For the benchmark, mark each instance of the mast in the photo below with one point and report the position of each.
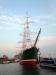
(26, 35)
(37, 37)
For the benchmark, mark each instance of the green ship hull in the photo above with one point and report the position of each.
(30, 56)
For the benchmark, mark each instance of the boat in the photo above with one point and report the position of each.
(29, 56)
(48, 62)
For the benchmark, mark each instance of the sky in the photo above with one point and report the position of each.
(12, 15)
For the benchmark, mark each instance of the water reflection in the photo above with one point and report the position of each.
(30, 70)
(17, 69)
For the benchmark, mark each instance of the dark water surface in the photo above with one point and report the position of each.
(17, 69)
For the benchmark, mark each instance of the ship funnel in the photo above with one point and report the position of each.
(37, 37)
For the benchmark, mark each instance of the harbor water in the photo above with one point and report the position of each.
(17, 69)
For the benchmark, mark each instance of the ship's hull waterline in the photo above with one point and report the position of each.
(32, 62)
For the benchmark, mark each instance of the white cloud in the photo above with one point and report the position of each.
(47, 19)
(8, 46)
(9, 20)
(46, 41)
(47, 46)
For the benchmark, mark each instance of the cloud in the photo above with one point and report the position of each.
(47, 19)
(47, 46)
(8, 46)
(9, 20)
(47, 41)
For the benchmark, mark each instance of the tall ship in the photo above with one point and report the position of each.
(29, 56)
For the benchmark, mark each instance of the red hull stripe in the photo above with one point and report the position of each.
(29, 62)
